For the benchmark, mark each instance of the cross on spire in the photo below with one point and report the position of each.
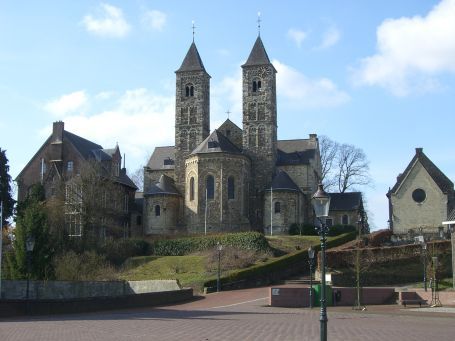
(193, 27)
(228, 112)
(259, 24)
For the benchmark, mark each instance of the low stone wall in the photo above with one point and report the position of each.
(11, 308)
(17, 290)
(298, 297)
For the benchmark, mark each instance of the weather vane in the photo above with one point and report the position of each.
(193, 27)
(259, 24)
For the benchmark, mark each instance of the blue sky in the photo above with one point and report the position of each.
(376, 74)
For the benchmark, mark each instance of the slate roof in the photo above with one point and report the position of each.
(348, 201)
(160, 154)
(442, 181)
(125, 179)
(164, 186)
(258, 55)
(295, 152)
(283, 182)
(216, 142)
(101, 155)
(85, 147)
(192, 61)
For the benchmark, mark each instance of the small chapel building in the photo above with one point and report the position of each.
(230, 179)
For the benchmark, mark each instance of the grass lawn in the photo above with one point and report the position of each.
(290, 244)
(189, 270)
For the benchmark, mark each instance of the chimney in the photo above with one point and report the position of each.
(313, 137)
(57, 131)
(419, 151)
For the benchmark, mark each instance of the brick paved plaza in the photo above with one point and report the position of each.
(236, 315)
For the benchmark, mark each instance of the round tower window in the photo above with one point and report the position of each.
(419, 195)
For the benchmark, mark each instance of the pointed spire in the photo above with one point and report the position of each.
(258, 55)
(192, 61)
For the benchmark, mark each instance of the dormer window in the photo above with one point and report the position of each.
(69, 166)
(212, 144)
(189, 90)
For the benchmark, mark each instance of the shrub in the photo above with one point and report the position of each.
(336, 230)
(88, 266)
(276, 269)
(302, 229)
(234, 258)
(117, 251)
(178, 247)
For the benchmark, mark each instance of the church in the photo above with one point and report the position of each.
(231, 179)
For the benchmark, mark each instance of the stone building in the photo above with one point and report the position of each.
(226, 180)
(61, 162)
(421, 199)
(347, 209)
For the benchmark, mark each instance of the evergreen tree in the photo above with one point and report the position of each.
(5, 188)
(32, 221)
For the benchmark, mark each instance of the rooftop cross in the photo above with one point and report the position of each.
(193, 27)
(259, 24)
(228, 112)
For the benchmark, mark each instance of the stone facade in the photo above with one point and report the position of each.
(221, 180)
(422, 197)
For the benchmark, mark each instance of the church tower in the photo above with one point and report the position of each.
(192, 110)
(259, 125)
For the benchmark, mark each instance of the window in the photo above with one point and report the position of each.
(192, 188)
(210, 187)
(345, 219)
(419, 195)
(277, 207)
(261, 112)
(192, 140)
(261, 136)
(139, 220)
(125, 203)
(256, 86)
(157, 210)
(184, 139)
(193, 115)
(252, 139)
(329, 222)
(231, 188)
(228, 133)
(69, 166)
(189, 90)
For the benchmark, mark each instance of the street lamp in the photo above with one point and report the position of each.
(321, 206)
(310, 262)
(29, 246)
(423, 251)
(219, 248)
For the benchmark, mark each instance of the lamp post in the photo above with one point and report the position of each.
(321, 205)
(358, 264)
(219, 248)
(29, 246)
(310, 262)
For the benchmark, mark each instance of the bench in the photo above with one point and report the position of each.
(410, 297)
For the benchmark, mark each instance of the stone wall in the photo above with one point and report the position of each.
(408, 214)
(223, 214)
(68, 289)
(291, 211)
(169, 211)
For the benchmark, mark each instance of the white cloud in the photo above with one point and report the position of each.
(301, 91)
(67, 103)
(298, 36)
(331, 36)
(227, 95)
(411, 52)
(154, 20)
(108, 23)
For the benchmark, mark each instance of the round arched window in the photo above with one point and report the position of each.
(419, 195)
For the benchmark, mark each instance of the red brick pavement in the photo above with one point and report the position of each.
(234, 315)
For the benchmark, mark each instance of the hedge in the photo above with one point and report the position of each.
(182, 246)
(277, 268)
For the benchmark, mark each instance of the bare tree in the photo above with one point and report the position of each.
(138, 178)
(353, 168)
(328, 149)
